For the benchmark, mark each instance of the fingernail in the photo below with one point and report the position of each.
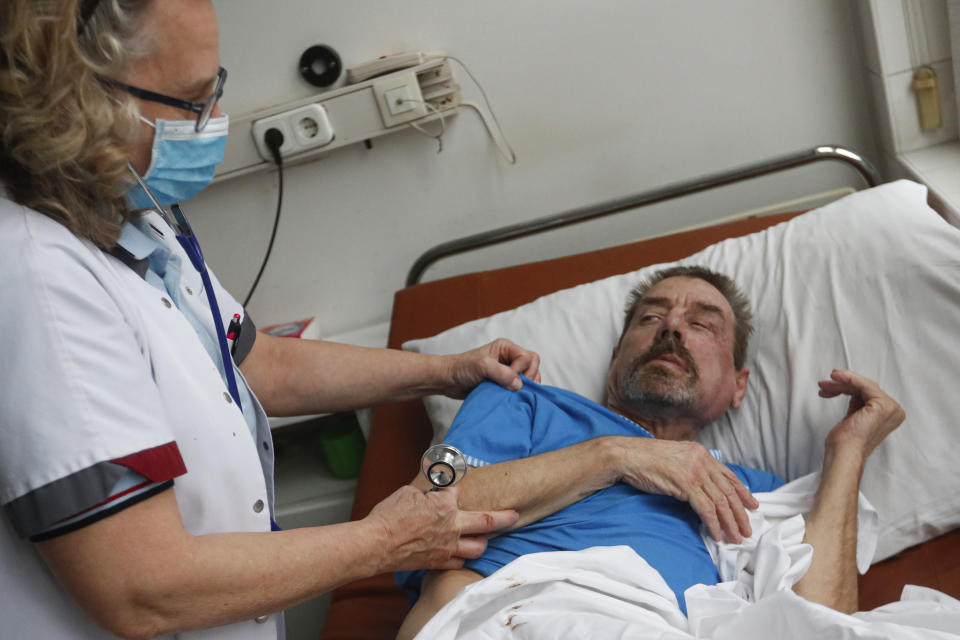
(516, 385)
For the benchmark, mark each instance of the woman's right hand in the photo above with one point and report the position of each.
(428, 530)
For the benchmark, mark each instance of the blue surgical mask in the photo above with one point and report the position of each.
(182, 161)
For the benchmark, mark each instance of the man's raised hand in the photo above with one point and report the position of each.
(871, 414)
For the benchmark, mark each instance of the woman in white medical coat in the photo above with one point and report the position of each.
(135, 465)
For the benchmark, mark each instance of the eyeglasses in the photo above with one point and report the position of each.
(203, 109)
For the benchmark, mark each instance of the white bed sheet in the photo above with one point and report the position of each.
(870, 283)
(611, 592)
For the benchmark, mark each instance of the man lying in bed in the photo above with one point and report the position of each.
(581, 474)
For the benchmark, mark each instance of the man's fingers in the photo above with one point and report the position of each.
(743, 520)
(742, 492)
(832, 388)
(476, 522)
(736, 485)
(707, 511)
(738, 505)
(844, 381)
(721, 508)
(728, 521)
(829, 389)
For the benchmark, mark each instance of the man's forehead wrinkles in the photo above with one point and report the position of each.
(655, 301)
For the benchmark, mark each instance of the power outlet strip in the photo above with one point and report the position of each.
(353, 114)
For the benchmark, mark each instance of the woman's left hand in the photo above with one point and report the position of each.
(501, 361)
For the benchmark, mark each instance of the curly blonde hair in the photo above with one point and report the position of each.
(65, 138)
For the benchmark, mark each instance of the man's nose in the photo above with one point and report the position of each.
(668, 332)
(671, 327)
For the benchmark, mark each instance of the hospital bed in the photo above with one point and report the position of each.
(870, 282)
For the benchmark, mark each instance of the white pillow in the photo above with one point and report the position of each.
(870, 283)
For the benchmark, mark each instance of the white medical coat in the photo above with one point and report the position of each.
(97, 365)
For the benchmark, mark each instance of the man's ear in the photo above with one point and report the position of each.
(740, 389)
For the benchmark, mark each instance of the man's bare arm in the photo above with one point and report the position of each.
(832, 523)
(540, 485)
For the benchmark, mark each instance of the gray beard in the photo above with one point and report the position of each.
(652, 388)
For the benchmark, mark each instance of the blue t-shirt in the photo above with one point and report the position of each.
(496, 425)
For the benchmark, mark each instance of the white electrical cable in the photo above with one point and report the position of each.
(491, 122)
(502, 143)
(443, 128)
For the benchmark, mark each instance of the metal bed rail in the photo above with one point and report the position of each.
(660, 194)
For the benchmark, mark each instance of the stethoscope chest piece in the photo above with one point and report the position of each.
(443, 465)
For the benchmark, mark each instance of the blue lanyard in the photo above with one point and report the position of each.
(188, 241)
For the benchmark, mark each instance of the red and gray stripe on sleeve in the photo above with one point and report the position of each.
(94, 493)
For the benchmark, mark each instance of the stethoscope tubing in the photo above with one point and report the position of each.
(191, 246)
(188, 240)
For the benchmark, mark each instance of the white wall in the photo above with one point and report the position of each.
(600, 99)
(891, 60)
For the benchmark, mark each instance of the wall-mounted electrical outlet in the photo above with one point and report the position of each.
(304, 128)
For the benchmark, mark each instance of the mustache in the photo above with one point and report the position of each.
(670, 346)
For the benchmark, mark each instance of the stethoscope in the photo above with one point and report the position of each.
(443, 465)
(191, 246)
(188, 241)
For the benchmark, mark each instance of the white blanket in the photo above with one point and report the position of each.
(611, 592)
